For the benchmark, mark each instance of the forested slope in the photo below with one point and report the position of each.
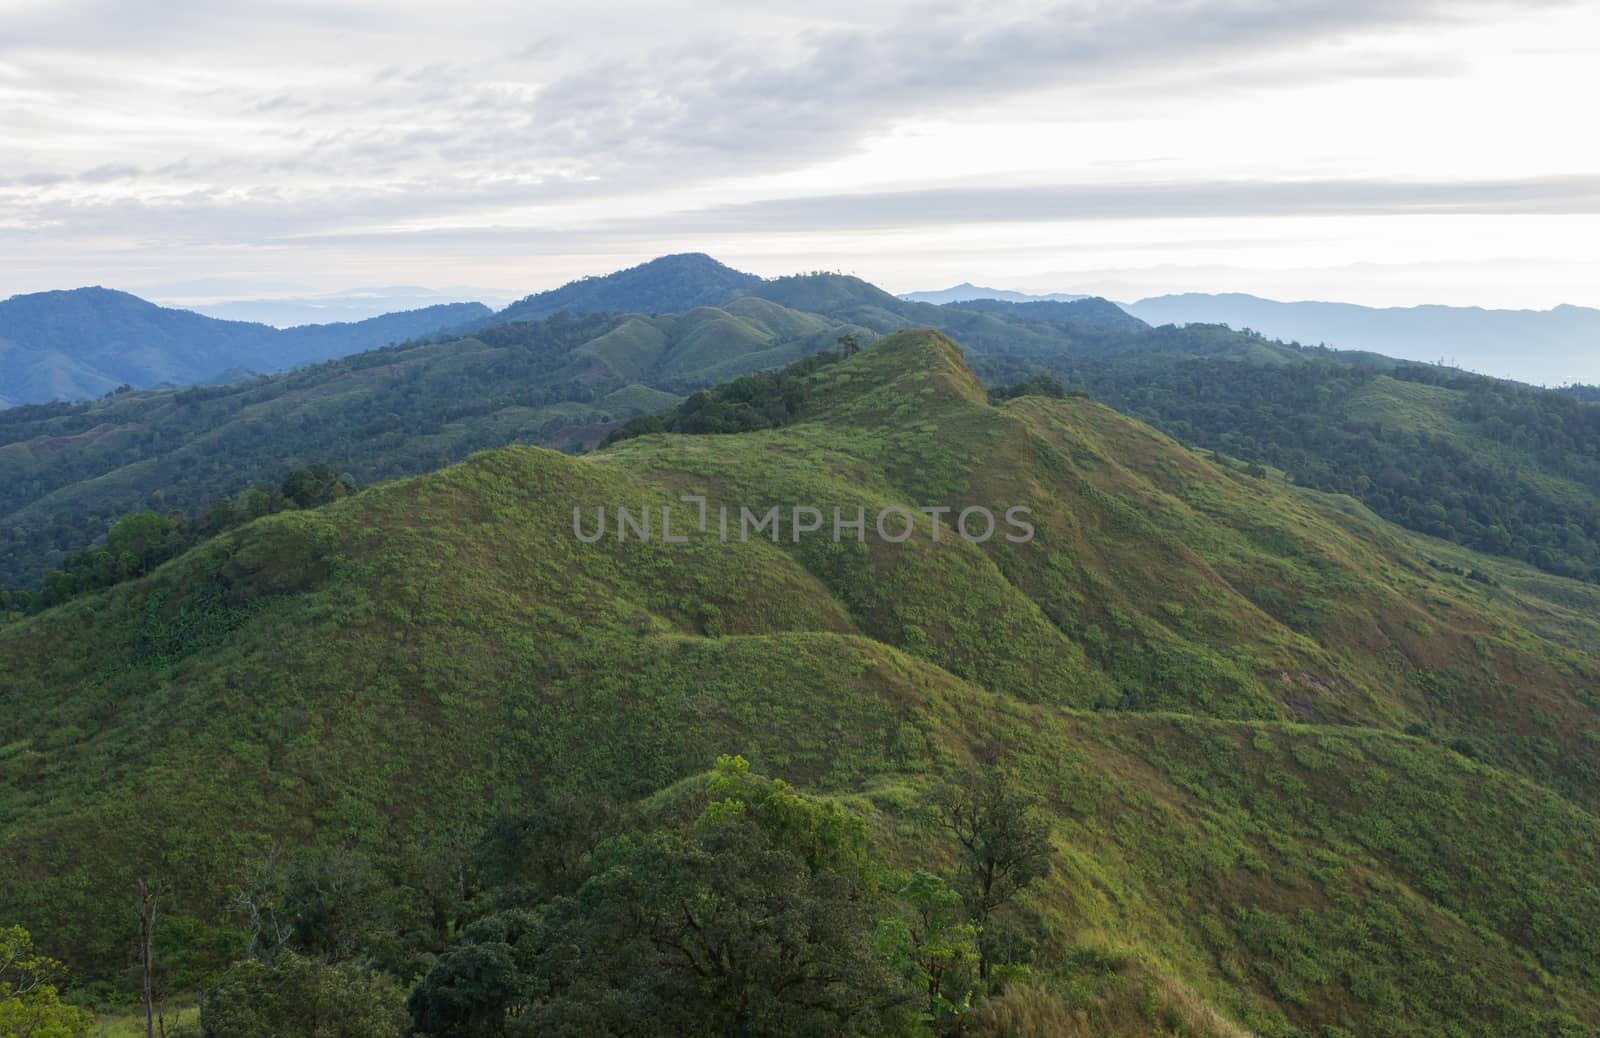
(67, 471)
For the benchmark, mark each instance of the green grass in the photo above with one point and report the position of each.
(130, 1023)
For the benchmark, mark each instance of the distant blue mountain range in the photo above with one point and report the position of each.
(1545, 347)
(967, 290)
(88, 341)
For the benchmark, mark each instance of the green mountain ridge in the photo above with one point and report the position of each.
(66, 471)
(1316, 780)
(1494, 466)
(666, 284)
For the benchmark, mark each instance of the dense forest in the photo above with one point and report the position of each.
(1496, 466)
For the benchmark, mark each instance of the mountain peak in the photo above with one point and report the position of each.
(919, 365)
(97, 295)
(825, 292)
(687, 259)
(676, 283)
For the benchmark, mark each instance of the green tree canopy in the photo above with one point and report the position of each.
(303, 997)
(30, 1006)
(755, 917)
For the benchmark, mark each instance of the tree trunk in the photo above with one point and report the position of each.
(147, 926)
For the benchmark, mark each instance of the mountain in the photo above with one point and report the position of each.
(357, 304)
(68, 470)
(967, 291)
(1499, 467)
(683, 282)
(89, 341)
(1549, 347)
(665, 285)
(990, 332)
(1086, 310)
(1296, 774)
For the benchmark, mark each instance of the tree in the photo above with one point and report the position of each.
(935, 945)
(303, 997)
(753, 916)
(314, 485)
(149, 906)
(29, 1004)
(545, 852)
(331, 903)
(146, 536)
(1005, 845)
(1038, 385)
(222, 514)
(487, 976)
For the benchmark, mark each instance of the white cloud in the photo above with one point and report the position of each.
(331, 145)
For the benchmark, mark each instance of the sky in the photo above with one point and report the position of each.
(1388, 152)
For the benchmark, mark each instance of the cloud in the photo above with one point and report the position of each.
(292, 127)
(812, 95)
(630, 111)
(1555, 195)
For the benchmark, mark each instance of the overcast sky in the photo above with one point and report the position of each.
(1375, 151)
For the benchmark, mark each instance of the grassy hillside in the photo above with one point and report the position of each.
(68, 470)
(1295, 771)
(1496, 466)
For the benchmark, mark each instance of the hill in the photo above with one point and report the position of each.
(68, 470)
(1497, 466)
(1291, 764)
(665, 285)
(90, 341)
(990, 332)
(1491, 465)
(1081, 310)
(1549, 347)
